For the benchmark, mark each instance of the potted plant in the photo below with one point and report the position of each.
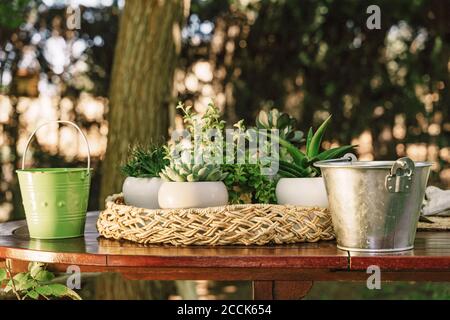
(245, 181)
(193, 177)
(140, 188)
(192, 186)
(300, 182)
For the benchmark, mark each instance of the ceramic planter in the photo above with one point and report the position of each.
(141, 192)
(306, 192)
(175, 195)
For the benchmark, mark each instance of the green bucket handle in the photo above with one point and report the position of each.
(59, 121)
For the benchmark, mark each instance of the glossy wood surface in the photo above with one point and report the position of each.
(308, 261)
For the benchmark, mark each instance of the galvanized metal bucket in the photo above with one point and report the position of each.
(375, 205)
(55, 199)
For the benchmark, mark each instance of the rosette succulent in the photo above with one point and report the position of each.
(188, 172)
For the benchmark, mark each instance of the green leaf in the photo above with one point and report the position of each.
(286, 174)
(59, 290)
(9, 286)
(33, 294)
(308, 140)
(263, 119)
(44, 290)
(297, 136)
(20, 276)
(3, 275)
(35, 267)
(293, 168)
(298, 156)
(314, 145)
(72, 294)
(44, 276)
(174, 176)
(283, 121)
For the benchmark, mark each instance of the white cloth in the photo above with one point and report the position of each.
(437, 202)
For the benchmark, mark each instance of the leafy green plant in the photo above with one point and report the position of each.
(246, 184)
(34, 284)
(302, 163)
(286, 124)
(145, 162)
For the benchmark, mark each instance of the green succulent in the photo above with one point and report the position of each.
(302, 163)
(188, 172)
(274, 119)
(145, 162)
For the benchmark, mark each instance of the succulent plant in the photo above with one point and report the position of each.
(184, 155)
(145, 162)
(188, 172)
(274, 119)
(302, 163)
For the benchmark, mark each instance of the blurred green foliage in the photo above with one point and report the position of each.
(12, 13)
(313, 58)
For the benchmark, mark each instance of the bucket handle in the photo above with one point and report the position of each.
(348, 157)
(59, 121)
(400, 177)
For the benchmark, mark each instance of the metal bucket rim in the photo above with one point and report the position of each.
(366, 164)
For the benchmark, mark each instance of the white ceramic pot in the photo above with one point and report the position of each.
(202, 194)
(306, 192)
(141, 192)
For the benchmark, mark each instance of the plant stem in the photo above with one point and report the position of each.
(13, 286)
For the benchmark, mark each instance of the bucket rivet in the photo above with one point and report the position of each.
(390, 187)
(61, 204)
(45, 204)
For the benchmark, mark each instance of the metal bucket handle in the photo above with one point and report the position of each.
(400, 177)
(59, 121)
(348, 157)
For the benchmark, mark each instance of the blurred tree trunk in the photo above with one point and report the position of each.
(148, 43)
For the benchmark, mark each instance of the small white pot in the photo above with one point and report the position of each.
(141, 192)
(202, 194)
(306, 192)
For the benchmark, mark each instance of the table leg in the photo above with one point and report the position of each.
(280, 290)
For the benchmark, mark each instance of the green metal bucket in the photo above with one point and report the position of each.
(55, 199)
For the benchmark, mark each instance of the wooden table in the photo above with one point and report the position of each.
(277, 272)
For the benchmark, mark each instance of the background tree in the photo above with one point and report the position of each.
(149, 41)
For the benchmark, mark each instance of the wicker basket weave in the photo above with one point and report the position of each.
(252, 224)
